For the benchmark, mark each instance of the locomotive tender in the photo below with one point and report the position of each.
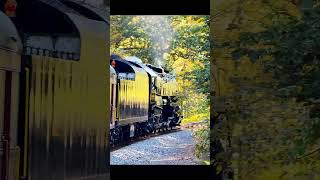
(143, 99)
(53, 84)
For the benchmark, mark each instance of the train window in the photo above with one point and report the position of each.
(126, 75)
(46, 25)
(63, 47)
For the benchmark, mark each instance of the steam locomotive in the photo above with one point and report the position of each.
(53, 84)
(143, 99)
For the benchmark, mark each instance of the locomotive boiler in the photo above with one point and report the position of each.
(143, 99)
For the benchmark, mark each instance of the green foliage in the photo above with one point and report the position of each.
(267, 71)
(200, 77)
(192, 43)
(131, 36)
(202, 147)
(297, 39)
(192, 34)
(294, 65)
(129, 39)
(196, 118)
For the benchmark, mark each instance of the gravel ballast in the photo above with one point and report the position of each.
(174, 148)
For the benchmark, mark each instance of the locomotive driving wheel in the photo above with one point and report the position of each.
(116, 136)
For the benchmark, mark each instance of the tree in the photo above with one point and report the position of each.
(129, 39)
(266, 73)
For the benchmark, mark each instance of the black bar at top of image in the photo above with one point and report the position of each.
(160, 7)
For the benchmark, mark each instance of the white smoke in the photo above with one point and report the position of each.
(161, 33)
(134, 59)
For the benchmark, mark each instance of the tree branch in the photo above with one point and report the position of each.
(308, 154)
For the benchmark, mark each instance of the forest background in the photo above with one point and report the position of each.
(179, 44)
(266, 89)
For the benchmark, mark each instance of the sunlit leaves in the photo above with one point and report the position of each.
(129, 39)
(267, 67)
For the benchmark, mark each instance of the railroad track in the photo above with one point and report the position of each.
(175, 129)
(148, 136)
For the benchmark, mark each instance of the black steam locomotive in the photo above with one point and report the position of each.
(53, 84)
(143, 99)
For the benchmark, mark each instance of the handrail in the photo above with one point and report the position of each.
(26, 130)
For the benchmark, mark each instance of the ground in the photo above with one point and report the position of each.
(175, 148)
